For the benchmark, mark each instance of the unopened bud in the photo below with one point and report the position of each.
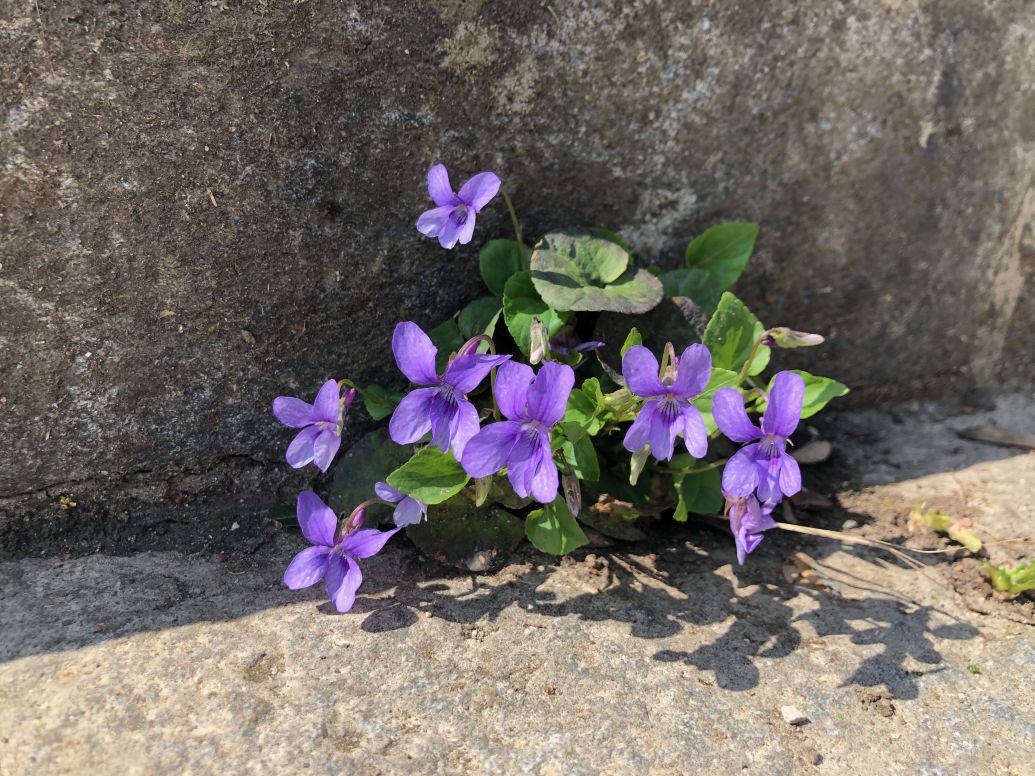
(355, 520)
(783, 337)
(539, 342)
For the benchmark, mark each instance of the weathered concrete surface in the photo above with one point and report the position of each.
(658, 658)
(204, 205)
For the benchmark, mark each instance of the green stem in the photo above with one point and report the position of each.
(696, 470)
(513, 220)
(742, 375)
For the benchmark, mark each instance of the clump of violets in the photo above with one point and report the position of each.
(763, 465)
(668, 412)
(532, 404)
(442, 407)
(332, 558)
(452, 219)
(551, 441)
(321, 423)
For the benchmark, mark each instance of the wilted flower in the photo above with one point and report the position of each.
(330, 560)
(532, 404)
(452, 221)
(766, 464)
(321, 423)
(748, 519)
(442, 409)
(668, 412)
(408, 511)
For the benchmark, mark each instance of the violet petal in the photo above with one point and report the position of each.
(306, 568)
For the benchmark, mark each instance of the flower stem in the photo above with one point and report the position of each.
(492, 377)
(742, 375)
(513, 220)
(696, 470)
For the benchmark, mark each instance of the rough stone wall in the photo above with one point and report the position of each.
(203, 205)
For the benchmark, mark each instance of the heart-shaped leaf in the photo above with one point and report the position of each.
(578, 271)
(553, 529)
(722, 252)
(731, 336)
(430, 476)
(499, 260)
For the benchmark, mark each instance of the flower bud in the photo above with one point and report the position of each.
(539, 342)
(355, 520)
(783, 337)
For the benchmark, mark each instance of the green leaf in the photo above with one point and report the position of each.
(448, 339)
(611, 236)
(582, 458)
(499, 260)
(553, 529)
(430, 476)
(580, 272)
(732, 333)
(380, 402)
(694, 284)
(1011, 580)
(699, 493)
(722, 251)
(632, 339)
(457, 533)
(479, 317)
(521, 304)
(585, 405)
(371, 459)
(818, 392)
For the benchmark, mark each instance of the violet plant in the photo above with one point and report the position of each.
(484, 450)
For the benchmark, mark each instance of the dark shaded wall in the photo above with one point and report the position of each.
(203, 205)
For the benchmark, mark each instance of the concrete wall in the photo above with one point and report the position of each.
(203, 205)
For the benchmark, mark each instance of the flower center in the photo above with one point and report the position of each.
(460, 214)
(446, 391)
(670, 406)
(771, 446)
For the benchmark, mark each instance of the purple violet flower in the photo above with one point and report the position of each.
(408, 511)
(764, 464)
(668, 412)
(330, 560)
(748, 519)
(452, 221)
(441, 408)
(321, 423)
(532, 405)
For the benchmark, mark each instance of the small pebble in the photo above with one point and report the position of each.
(848, 525)
(792, 716)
